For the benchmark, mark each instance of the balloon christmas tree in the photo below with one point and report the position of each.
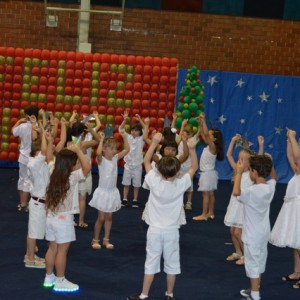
(191, 99)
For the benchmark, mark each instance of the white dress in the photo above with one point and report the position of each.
(286, 230)
(107, 197)
(235, 212)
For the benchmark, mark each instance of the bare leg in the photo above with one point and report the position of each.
(171, 279)
(107, 225)
(296, 273)
(82, 208)
(125, 192)
(205, 207)
(98, 225)
(148, 279)
(135, 193)
(237, 240)
(255, 284)
(189, 196)
(211, 205)
(24, 196)
(61, 259)
(50, 257)
(31, 243)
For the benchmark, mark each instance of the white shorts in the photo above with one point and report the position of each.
(208, 181)
(255, 260)
(85, 185)
(37, 220)
(24, 183)
(60, 228)
(134, 174)
(166, 242)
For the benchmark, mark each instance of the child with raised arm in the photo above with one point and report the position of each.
(285, 232)
(256, 227)
(133, 167)
(71, 166)
(234, 214)
(23, 129)
(106, 198)
(208, 180)
(163, 215)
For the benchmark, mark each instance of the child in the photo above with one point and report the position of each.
(163, 216)
(234, 214)
(23, 129)
(256, 227)
(86, 136)
(106, 198)
(133, 160)
(39, 176)
(60, 230)
(208, 180)
(285, 232)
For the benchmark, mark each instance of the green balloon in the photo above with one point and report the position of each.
(193, 107)
(193, 122)
(178, 122)
(187, 99)
(186, 114)
(180, 107)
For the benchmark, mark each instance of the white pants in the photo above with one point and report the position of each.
(134, 174)
(24, 183)
(162, 242)
(37, 220)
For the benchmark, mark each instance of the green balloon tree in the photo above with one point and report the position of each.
(191, 100)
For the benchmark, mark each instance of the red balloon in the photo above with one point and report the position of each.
(119, 111)
(52, 80)
(103, 93)
(104, 67)
(153, 113)
(131, 60)
(145, 104)
(162, 105)
(51, 98)
(45, 54)
(104, 76)
(3, 155)
(50, 107)
(85, 99)
(120, 94)
(36, 53)
(114, 59)
(103, 84)
(153, 120)
(146, 87)
(110, 110)
(147, 79)
(86, 82)
(77, 82)
(137, 95)
(19, 52)
(18, 61)
(71, 55)
(69, 73)
(97, 57)
(137, 86)
(157, 61)
(102, 110)
(129, 86)
(15, 112)
(79, 56)
(113, 76)
(146, 95)
(87, 65)
(70, 64)
(41, 105)
(173, 62)
(59, 107)
(123, 59)
(165, 61)
(128, 95)
(13, 156)
(28, 52)
(161, 113)
(52, 72)
(79, 65)
(154, 104)
(112, 85)
(85, 109)
(137, 78)
(62, 55)
(136, 103)
(118, 120)
(88, 57)
(54, 54)
(138, 70)
(149, 60)
(105, 58)
(140, 60)
(145, 113)
(10, 51)
(24, 104)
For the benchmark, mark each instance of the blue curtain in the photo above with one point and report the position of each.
(252, 105)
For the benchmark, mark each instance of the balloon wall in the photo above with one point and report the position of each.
(61, 82)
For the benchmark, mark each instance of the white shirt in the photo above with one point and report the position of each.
(207, 160)
(165, 200)
(39, 175)
(23, 131)
(257, 199)
(135, 155)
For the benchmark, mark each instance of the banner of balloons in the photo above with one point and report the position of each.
(61, 82)
(191, 99)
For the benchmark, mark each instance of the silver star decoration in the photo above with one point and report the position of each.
(212, 80)
(271, 146)
(222, 119)
(240, 82)
(278, 130)
(260, 112)
(264, 97)
(276, 85)
(279, 100)
(242, 121)
(212, 100)
(249, 98)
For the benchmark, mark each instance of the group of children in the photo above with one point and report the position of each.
(58, 179)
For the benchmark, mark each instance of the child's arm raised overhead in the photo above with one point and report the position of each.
(192, 150)
(73, 118)
(84, 162)
(206, 136)
(184, 156)
(261, 141)
(126, 149)
(125, 116)
(88, 144)
(294, 150)
(18, 123)
(237, 179)
(147, 159)
(273, 174)
(50, 146)
(230, 150)
(63, 135)
(100, 147)
(97, 121)
(146, 131)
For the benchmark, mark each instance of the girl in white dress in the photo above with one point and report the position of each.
(286, 231)
(208, 180)
(234, 215)
(106, 198)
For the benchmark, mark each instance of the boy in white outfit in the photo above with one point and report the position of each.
(23, 129)
(163, 214)
(256, 227)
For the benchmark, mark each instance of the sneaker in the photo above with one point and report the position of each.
(124, 202)
(188, 205)
(65, 285)
(136, 297)
(35, 258)
(246, 294)
(135, 204)
(37, 264)
(49, 280)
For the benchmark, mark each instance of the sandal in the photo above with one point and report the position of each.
(200, 218)
(95, 244)
(233, 256)
(107, 244)
(83, 225)
(241, 261)
(288, 277)
(296, 285)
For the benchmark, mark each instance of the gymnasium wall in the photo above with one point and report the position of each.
(211, 42)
